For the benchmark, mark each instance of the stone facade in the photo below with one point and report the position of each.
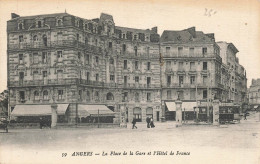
(61, 58)
(254, 93)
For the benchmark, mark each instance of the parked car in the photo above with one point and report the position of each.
(4, 124)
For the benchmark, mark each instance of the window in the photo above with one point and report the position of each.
(59, 54)
(97, 77)
(168, 65)
(45, 95)
(87, 58)
(80, 94)
(124, 47)
(96, 95)
(20, 58)
(135, 49)
(125, 96)
(39, 24)
(180, 65)
(21, 76)
(148, 66)
(191, 52)
(110, 45)
(79, 55)
(168, 49)
(22, 95)
(192, 66)
(136, 97)
(204, 51)
(169, 79)
(110, 96)
(169, 94)
(123, 36)
(87, 95)
(125, 80)
(205, 65)
(60, 94)
(44, 57)
(180, 95)
(180, 80)
(137, 113)
(148, 81)
(148, 96)
(59, 22)
(36, 95)
(180, 51)
(60, 74)
(205, 94)
(35, 58)
(192, 94)
(136, 79)
(205, 80)
(112, 77)
(35, 75)
(35, 38)
(77, 37)
(192, 80)
(20, 38)
(20, 26)
(44, 74)
(125, 64)
(111, 61)
(88, 76)
(135, 37)
(136, 65)
(97, 60)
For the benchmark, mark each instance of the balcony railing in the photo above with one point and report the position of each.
(52, 44)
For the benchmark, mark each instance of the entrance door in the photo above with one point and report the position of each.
(137, 114)
(158, 116)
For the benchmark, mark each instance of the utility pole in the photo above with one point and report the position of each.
(208, 98)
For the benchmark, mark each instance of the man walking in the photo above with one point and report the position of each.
(134, 122)
(148, 120)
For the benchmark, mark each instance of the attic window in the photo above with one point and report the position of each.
(20, 26)
(59, 22)
(191, 38)
(77, 22)
(179, 37)
(39, 23)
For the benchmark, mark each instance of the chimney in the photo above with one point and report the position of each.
(154, 29)
(13, 15)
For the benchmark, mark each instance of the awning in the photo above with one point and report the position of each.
(94, 110)
(62, 108)
(31, 110)
(256, 106)
(171, 106)
(188, 106)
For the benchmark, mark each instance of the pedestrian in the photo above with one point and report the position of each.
(134, 122)
(151, 123)
(148, 120)
(245, 116)
(41, 123)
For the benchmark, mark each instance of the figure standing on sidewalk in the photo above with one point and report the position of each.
(134, 122)
(148, 120)
(151, 123)
(245, 116)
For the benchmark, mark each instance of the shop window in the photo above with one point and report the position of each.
(60, 94)
(45, 95)
(36, 95)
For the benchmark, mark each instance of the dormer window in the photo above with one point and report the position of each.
(77, 22)
(39, 23)
(86, 26)
(59, 22)
(20, 26)
(179, 37)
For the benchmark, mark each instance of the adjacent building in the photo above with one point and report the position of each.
(72, 65)
(254, 94)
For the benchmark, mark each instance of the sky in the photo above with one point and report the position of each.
(233, 21)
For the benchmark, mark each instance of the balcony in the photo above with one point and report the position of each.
(54, 44)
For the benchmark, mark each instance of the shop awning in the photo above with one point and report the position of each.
(171, 106)
(62, 108)
(188, 106)
(256, 106)
(31, 110)
(94, 110)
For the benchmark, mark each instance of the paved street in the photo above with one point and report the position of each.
(234, 143)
